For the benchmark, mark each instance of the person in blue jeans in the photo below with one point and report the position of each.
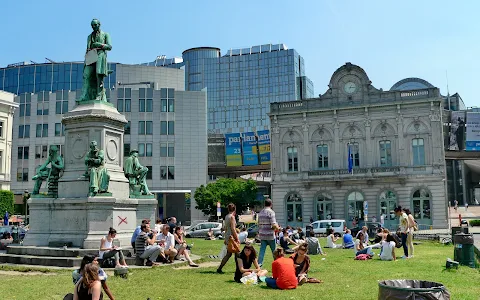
(267, 224)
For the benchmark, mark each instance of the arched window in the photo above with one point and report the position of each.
(294, 210)
(324, 207)
(422, 206)
(388, 202)
(355, 208)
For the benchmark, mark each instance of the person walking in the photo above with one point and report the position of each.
(230, 230)
(267, 224)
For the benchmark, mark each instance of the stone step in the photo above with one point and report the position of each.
(64, 262)
(56, 252)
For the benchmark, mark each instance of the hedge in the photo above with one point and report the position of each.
(7, 202)
(474, 222)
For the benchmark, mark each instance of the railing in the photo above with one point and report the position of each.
(414, 93)
(355, 171)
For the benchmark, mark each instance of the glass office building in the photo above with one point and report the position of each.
(242, 83)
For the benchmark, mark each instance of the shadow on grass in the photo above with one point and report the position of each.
(208, 272)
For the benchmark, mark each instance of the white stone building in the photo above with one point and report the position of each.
(7, 108)
(396, 148)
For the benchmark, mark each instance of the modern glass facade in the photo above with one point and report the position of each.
(32, 78)
(241, 84)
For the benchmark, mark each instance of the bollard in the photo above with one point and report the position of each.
(460, 219)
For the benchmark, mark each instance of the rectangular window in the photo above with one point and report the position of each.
(171, 173)
(1, 129)
(354, 153)
(59, 129)
(171, 127)
(141, 105)
(120, 105)
(149, 107)
(23, 152)
(22, 174)
(25, 104)
(126, 149)
(385, 153)
(149, 129)
(1, 161)
(292, 159)
(163, 172)
(150, 172)
(141, 149)
(127, 128)
(148, 149)
(171, 150)
(163, 128)
(128, 105)
(141, 127)
(322, 156)
(42, 104)
(171, 105)
(164, 105)
(418, 151)
(41, 151)
(163, 150)
(61, 107)
(39, 130)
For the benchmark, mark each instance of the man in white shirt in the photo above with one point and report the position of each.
(167, 242)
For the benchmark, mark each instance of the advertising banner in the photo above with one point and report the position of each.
(250, 153)
(457, 131)
(473, 131)
(264, 146)
(233, 149)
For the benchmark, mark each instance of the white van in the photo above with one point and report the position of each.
(320, 227)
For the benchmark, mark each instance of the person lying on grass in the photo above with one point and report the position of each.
(244, 262)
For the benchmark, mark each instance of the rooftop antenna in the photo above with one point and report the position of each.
(49, 60)
(448, 91)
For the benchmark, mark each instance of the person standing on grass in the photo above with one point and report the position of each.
(230, 230)
(267, 224)
(410, 230)
(283, 272)
(403, 224)
(108, 250)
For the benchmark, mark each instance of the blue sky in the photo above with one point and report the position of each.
(391, 40)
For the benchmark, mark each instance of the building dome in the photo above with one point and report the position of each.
(412, 83)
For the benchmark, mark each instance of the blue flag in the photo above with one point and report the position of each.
(350, 160)
(5, 219)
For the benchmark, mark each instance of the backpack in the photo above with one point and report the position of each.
(363, 257)
(109, 263)
(313, 246)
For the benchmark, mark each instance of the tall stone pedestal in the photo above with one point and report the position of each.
(74, 217)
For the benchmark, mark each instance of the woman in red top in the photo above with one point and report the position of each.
(283, 272)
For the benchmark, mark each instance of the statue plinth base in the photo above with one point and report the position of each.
(93, 121)
(84, 221)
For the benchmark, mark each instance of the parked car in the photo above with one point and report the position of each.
(320, 227)
(193, 223)
(201, 230)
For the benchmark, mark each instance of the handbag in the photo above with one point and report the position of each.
(233, 246)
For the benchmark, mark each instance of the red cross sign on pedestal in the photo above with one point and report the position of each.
(122, 220)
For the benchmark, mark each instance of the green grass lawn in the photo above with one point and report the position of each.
(344, 278)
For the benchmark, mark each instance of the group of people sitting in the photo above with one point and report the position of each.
(5, 240)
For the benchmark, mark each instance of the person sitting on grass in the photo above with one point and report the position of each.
(331, 239)
(108, 250)
(242, 236)
(314, 247)
(145, 246)
(348, 240)
(360, 247)
(89, 287)
(210, 235)
(244, 262)
(365, 235)
(102, 276)
(388, 248)
(301, 261)
(300, 235)
(7, 239)
(181, 246)
(283, 272)
(285, 241)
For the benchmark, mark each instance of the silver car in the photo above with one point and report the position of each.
(201, 230)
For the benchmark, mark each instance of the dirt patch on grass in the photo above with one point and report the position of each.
(201, 265)
(30, 273)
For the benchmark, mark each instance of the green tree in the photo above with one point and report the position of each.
(240, 192)
(7, 202)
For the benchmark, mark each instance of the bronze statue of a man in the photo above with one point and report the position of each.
(136, 173)
(51, 174)
(95, 68)
(96, 171)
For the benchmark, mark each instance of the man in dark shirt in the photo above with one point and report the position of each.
(172, 223)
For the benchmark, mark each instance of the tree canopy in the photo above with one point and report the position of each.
(242, 193)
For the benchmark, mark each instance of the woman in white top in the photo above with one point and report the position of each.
(388, 248)
(107, 249)
(331, 239)
(403, 224)
(410, 230)
(360, 247)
